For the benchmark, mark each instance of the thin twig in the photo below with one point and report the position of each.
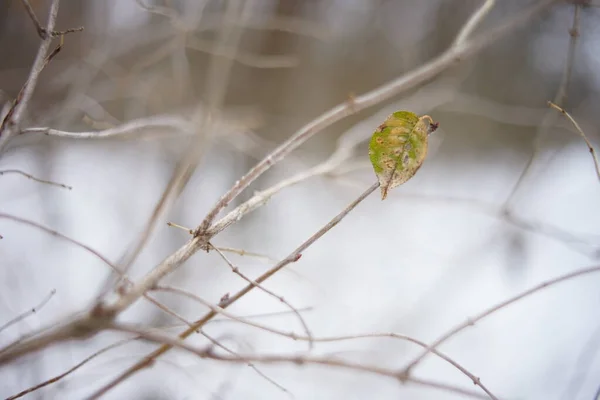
(243, 253)
(450, 57)
(127, 129)
(473, 22)
(18, 171)
(176, 315)
(472, 321)
(71, 370)
(29, 312)
(582, 134)
(293, 309)
(44, 33)
(583, 365)
(243, 58)
(59, 235)
(550, 118)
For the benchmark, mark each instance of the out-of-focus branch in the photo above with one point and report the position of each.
(11, 123)
(33, 178)
(45, 33)
(217, 79)
(582, 134)
(474, 22)
(549, 118)
(472, 321)
(29, 312)
(293, 309)
(70, 370)
(131, 128)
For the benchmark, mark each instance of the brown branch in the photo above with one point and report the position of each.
(582, 134)
(59, 235)
(293, 309)
(29, 312)
(10, 125)
(70, 370)
(549, 118)
(174, 314)
(45, 33)
(127, 129)
(19, 172)
(472, 321)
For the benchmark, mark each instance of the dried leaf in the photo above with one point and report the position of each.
(399, 147)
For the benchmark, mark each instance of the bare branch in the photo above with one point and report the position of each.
(18, 171)
(472, 321)
(29, 312)
(582, 134)
(475, 20)
(10, 124)
(70, 370)
(550, 118)
(130, 128)
(243, 58)
(293, 309)
(59, 235)
(44, 33)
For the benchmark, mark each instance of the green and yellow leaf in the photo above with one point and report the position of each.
(399, 147)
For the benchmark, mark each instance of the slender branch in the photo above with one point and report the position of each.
(12, 120)
(211, 339)
(127, 129)
(29, 312)
(293, 309)
(59, 235)
(243, 58)
(18, 171)
(550, 118)
(450, 57)
(243, 253)
(71, 370)
(185, 252)
(582, 134)
(472, 321)
(44, 33)
(475, 20)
